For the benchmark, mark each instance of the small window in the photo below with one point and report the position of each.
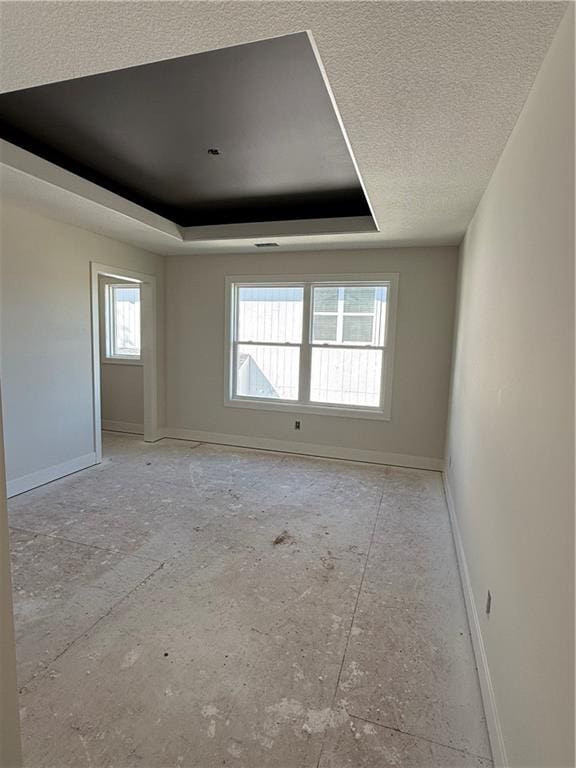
(312, 345)
(123, 341)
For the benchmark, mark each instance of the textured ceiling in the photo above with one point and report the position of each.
(246, 133)
(428, 91)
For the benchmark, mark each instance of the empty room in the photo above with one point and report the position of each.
(287, 346)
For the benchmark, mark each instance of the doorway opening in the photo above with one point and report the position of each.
(124, 348)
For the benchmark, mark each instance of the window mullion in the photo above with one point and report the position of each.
(305, 349)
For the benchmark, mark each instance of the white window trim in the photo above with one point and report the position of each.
(382, 413)
(123, 361)
(109, 320)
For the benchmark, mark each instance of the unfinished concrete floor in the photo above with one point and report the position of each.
(160, 625)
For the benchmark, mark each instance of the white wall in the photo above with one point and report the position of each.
(511, 435)
(122, 393)
(10, 749)
(45, 334)
(195, 351)
(121, 384)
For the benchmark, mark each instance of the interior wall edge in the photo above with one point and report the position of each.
(10, 744)
(34, 480)
(495, 734)
(46, 305)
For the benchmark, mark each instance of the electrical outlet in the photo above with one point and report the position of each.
(488, 603)
(296, 425)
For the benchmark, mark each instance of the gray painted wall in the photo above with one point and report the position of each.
(122, 393)
(10, 749)
(196, 356)
(511, 437)
(46, 352)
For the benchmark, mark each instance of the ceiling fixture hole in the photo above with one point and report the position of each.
(213, 151)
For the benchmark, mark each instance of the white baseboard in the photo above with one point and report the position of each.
(306, 449)
(43, 476)
(488, 696)
(123, 426)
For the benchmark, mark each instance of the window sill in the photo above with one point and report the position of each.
(315, 410)
(121, 361)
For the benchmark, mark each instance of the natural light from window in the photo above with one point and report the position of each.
(123, 322)
(347, 323)
(310, 344)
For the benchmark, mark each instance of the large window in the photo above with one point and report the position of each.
(123, 322)
(318, 345)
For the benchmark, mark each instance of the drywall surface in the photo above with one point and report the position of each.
(196, 354)
(121, 384)
(10, 750)
(511, 439)
(122, 394)
(45, 352)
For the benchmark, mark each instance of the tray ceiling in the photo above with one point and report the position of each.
(239, 135)
(428, 91)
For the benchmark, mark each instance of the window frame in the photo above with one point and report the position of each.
(303, 405)
(109, 319)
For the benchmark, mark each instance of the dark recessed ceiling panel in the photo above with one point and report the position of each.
(242, 134)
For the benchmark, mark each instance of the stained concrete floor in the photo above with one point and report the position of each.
(158, 624)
